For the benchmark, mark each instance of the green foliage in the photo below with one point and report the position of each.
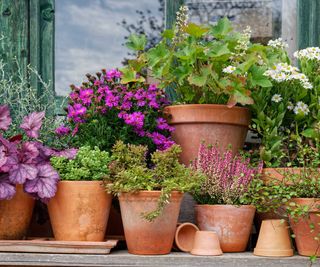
(193, 59)
(130, 173)
(88, 165)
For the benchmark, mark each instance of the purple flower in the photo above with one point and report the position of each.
(141, 103)
(111, 100)
(76, 110)
(152, 88)
(140, 94)
(160, 140)
(111, 74)
(62, 130)
(85, 96)
(136, 119)
(126, 105)
(154, 104)
(163, 125)
(74, 96)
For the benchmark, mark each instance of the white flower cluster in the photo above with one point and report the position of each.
(229, 69)
(276, 98)
(181, 22)
(283, 72)
(310, 53)
(278, 44)
(243, 41)
(301, 108)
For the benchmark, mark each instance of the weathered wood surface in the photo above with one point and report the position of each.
(122, 258)
(62, 247)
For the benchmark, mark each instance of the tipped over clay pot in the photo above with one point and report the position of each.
(184, 236)
(206, 243)
(274, 239)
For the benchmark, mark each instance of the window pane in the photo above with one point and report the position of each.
(89, 35)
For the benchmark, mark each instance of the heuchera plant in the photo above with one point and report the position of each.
(103, 110)
(25, 160)
(228, 177)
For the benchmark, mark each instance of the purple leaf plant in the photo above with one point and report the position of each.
(228, 177)
(27, 161)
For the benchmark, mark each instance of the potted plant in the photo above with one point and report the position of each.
(213, 71)
(223, 207)
(25, 173)
(149, 197)
(80, 209)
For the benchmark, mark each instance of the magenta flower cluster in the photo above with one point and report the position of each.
(137, 105)
(227, 177)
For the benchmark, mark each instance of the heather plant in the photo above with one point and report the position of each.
(104, 110)
(228, 177)
(25, 160)
(88, 165)
(130, 172)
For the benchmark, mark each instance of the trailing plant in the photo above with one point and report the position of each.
(205, 63)
(130, 173)
(103, 110)
(228, 177)
(25, 160)
(88, 165)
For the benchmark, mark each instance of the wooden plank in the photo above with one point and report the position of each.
(59, 247)
(171, 7)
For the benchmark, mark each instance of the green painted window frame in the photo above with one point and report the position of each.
(29, 26)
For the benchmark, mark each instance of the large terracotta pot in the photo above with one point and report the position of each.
(233, 224)
(304, 237)
(214, 124)
(79, 211)
(144, 237)
(15, 215)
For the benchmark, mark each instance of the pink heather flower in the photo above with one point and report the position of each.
(163, 125)
(62, 130)
(111, 74)
(135, 119)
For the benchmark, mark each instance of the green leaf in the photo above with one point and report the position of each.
(129, 75)
(239, 97)
(157, 54)
(196, 30)
(136, 42)
(136, 64)
(309, 133)
(222, 28)
(199, 79)
(218, 49)
(258, 77)
(168, 33)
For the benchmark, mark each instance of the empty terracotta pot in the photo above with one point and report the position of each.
(274, 239)
(79, 211)
(214, 124)
(206, 243)
(15, 215)
(233, 224)
(184, 236)
(304, 237)
(144, 237)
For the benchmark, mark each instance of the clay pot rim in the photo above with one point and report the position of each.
(225, 206)
(209, 106)
(149, 193)
(82, 181)
(305, 201)
(176, 235)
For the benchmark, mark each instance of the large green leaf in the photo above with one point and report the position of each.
(258, 77)
(200, 79)
(136, 42)
(196, 30)
(129, 75)
(222, 28)
(157, 54)
(218, 49)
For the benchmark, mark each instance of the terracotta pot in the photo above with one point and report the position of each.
(274, 239)
(271, 174)
(144, 237)
(79, 211)
(305, 242)
(233, 224)
(15, 215)
(206, 243)
(184, 236)
(214, 124)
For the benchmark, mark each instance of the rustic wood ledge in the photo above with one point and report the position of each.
(123, 258)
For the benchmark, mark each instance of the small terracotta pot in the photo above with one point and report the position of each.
(144, 237)
(79, 211)
(304, 237)
(184, 236)
(269, 174)
(206, 243)
(233, 224)
(274, 239)
(15, 215)
(214, 124)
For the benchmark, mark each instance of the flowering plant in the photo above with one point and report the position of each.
(287, 110)
(25, 160)
(205, 63)
(228, 177)
(103, 110)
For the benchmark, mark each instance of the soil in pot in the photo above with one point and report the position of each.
(80, 211)
(214, 124)
(305, 240)
(233, 224)
(15, 215)
(144, 237)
